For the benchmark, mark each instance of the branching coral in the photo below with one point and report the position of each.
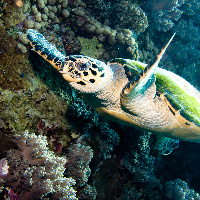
(35, 171)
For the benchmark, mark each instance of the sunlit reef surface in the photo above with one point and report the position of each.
(107, 160)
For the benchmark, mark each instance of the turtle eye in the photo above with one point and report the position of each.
(83, 66)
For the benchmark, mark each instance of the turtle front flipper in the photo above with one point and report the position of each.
(139, 98)
(146, 78)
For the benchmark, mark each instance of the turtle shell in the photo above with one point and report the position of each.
(182, 96)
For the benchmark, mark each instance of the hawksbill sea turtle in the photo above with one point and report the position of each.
(130, 92)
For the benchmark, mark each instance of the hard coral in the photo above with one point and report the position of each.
(23, 110)
(36, 172)
(71, 43)
(129, 16)
(141, 163)
(88, 193)
(3, 167)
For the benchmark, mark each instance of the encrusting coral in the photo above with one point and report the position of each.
(91, 47)
(36, 172)
(14, 14)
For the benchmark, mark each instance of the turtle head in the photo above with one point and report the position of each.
(85, 74)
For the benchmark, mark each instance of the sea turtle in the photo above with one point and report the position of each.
(130, 92)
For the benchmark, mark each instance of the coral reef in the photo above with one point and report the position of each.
(91, 47)
(126, 163)
(88, 192)
(164, 13)
(93, 126)
(127, 21)
(14, 14)
(129, 192)
(186, 48)
(179, 190)
(181, 17)
(3, 167)
(78, 160)
(71, 44)
(23, 110)
(34, 171)
(148, 49)
(140, 163)
(3, 172)
(120, 15)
